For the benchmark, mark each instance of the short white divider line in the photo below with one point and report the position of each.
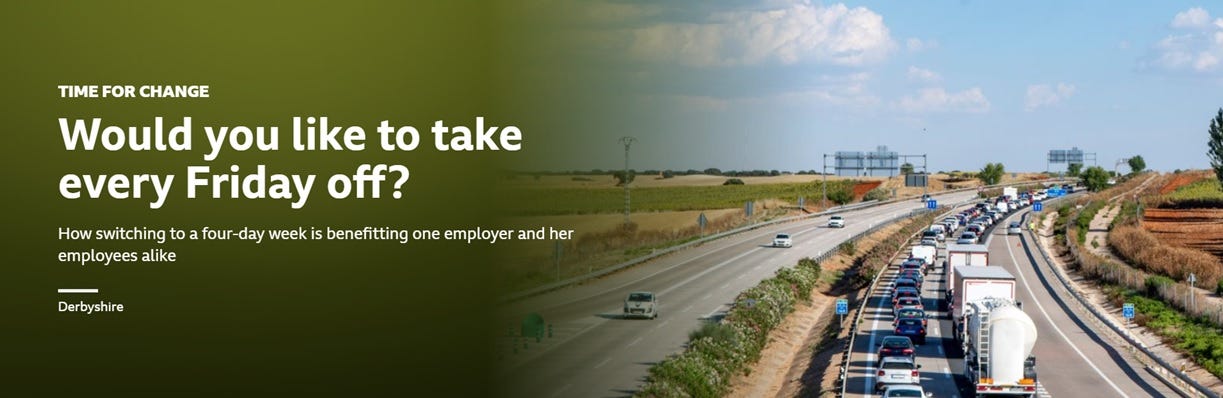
(71, 291)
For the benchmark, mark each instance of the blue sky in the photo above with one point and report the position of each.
(775, 84)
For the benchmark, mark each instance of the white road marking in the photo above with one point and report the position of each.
(688, 308)
(605, 361)
(634, 342)
(1007, 242)
(664, 323)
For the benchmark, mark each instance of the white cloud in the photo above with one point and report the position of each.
(846, 91)
(923, 75)
(800, 32)
(914, 44)
(1046, 95)
(1197, 49)
(931, 100)
(1194, 17)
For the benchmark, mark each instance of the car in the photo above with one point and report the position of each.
(641, 305)
(896, 346)
(925, 198)
(904, 391)
(836, 222)
(928, 234)
(911, 274)
(939, 230)
(907, 302)
(906, 282)
(913, 328)
(897, 370)
(967, 238)
(782, 240)
(916, 313)
(914, 264)
(928, 242)
(1013, 228)
(904, 292)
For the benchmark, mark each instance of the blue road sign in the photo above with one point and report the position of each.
(1037, 206)
(1128, 311)
(931, 204)
(842, 306)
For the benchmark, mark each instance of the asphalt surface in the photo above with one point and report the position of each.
(1073, 358)
(592, 352)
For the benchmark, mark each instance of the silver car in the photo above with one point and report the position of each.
(1013, 228)
(897, 370)
(641, 305)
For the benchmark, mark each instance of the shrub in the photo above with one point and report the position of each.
(1219, 288)
(1155, 282)
(877, 194)
(733, 181)
(848, 247)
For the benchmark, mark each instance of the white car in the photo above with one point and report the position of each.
(1013, 228)
(782, 240)
(967, 238)
(905, 391)
(641, 305)
(897, 370)
(836, 222)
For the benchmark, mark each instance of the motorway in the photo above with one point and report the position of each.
(594, 353)
(1073, 359)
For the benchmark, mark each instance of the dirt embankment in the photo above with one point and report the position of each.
(1200, 229)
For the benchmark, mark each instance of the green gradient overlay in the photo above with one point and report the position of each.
(235, 318)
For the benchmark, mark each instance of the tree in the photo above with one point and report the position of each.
(619, 176)
(713, 171)
(992, 173)
(1216, 145)
(1137, 165)
(906, 168)
(840, 196)
(1095, 178)
(1074, 169)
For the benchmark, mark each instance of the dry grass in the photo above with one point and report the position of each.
(1182, 179)
(1144, 250)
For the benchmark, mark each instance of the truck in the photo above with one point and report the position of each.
(1012, 192)
(974, 283)
(927, 253)
(998, 343)
(959, 255)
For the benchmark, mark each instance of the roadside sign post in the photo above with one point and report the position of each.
(842, 308)
(701, 221)
(931, 204)
(1038, 206)
(1193, 279)
(1128, 311)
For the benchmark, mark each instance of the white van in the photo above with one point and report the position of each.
(941, 230)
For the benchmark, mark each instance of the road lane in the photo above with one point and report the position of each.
(691, 285)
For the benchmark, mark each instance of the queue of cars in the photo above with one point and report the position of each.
(897, 373)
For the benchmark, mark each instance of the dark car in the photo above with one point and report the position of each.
(917, 313)
(902, 292)
(912, 274)
(912, 328)
(906, 283)
(896, 346)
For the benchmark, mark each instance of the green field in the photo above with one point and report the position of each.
(1201, 191)
(558, 201)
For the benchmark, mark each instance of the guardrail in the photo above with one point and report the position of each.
(835, 210)
(1178, 380)
(854, 321)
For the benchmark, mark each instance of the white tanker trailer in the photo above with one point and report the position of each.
(998, 343)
